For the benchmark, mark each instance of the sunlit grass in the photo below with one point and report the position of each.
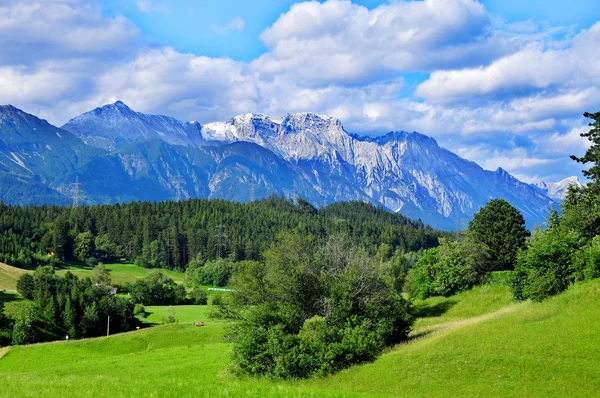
(121, 272)
(478, 301)
(9, 276)
(549, 349)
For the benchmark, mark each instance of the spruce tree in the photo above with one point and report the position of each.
(593, 153)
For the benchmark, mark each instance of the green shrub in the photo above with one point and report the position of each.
(171, 315)
(199, 296)
(442, 271)
(587, 261)
(546, 268)
(140, 310)
(322, 308)
(26, 286)
(157, 289)
(24, 331)
(217, 299)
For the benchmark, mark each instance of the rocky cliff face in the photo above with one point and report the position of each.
(558, 190)
(254, 156)
(405, 172)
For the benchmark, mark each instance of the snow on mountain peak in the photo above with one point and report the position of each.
(400, 170)
(558, 190)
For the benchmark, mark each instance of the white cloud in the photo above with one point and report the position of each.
(341, 42)
(34, 31)
(236, 24)
(491, 86)
(571, 142)
(535, 67)
(149, 6)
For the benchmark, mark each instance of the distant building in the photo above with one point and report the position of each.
(114, 290)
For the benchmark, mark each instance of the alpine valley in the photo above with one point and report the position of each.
(117, 154)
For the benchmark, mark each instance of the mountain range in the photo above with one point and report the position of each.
(117, 154)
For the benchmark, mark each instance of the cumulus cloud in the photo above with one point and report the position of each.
(504, 95)
(34, 31)
(344, 43)
(535, 67)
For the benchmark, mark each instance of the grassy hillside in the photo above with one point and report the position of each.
(9, 276)
(183, 314)
(550, 349)
(121, 272)
(477, 301)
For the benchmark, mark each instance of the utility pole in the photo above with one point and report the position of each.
(75, 187)
(177, 183)
(338, 192)
(220, 243)
(295, 191)
(458, 230)
(108, 326)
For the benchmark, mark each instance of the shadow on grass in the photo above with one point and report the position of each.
(423, 310)
(71, 266)
(420, 334)
(144, 322)
(8, 297)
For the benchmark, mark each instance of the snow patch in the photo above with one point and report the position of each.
(16, 159)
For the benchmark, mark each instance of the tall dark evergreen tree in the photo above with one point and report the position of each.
(581, 207)
(593, 153)
(501, 228)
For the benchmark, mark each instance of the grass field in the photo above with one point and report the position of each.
(477, 301)
(9, 276)
(183, 314)
(481, 346)
(121, 272)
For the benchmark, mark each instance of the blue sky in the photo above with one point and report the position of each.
(500, 82)
(186, 24)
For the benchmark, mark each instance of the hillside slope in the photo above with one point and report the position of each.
(9, 276)
(550, 349)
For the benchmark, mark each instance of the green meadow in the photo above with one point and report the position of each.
(120, 272)
(9, 276)
(183, 314)
(475, 344)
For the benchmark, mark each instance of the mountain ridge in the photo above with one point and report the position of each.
(315, 156)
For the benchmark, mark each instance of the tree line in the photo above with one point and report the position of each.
(171, 234)
(66, 306)
(565, 251)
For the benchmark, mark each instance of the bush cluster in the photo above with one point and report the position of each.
(315, 308)
(68, 305)
(442, 271)
(569, 249)
(213, 272)
(157, 289)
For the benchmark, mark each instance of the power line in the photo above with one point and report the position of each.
(220, 238)
(75, 191)
(178, 183)
(295, 191)
(252, 188)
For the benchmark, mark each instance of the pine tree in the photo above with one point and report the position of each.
(593, 153)
(69, 317)
(502, 228)
(50, 312)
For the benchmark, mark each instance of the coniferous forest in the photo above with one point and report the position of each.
(171, 234)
